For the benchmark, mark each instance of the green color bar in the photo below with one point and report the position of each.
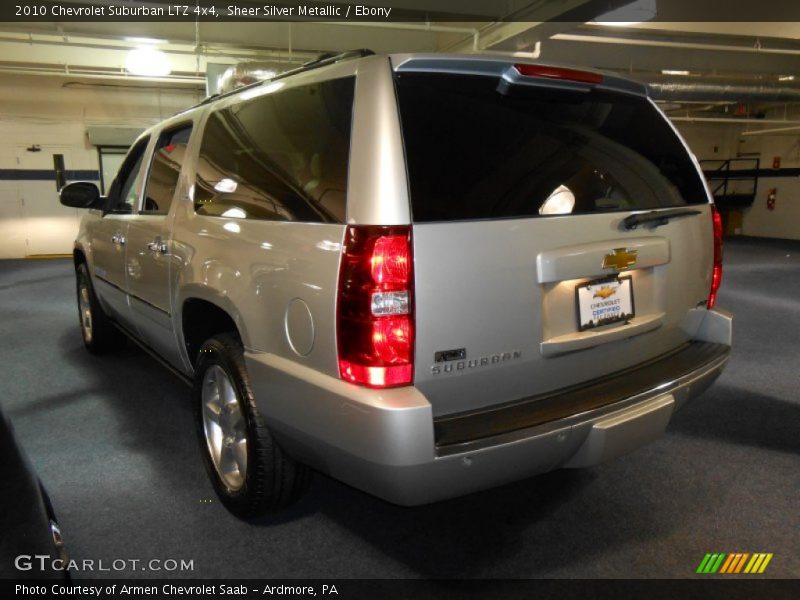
(718, 563)
(702, 566)
(711, 562)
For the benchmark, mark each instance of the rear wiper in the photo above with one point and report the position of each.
(656, 218)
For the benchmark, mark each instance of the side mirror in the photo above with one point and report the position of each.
(80, 194)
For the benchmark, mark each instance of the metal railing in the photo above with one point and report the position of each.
(732, 180)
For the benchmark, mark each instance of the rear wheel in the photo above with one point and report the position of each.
(99, 334)
(251, 474)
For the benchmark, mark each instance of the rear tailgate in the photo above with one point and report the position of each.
(519, 190)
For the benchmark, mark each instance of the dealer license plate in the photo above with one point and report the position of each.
(604, 301)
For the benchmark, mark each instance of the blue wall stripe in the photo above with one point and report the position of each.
(47, 175)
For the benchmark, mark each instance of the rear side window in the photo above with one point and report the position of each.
(281, 156)
(474, 153)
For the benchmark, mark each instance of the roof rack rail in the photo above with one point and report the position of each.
(215, 97)
(322, 60)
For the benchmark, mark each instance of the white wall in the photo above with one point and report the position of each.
(710, 140)
(784, 220)
(54, 112)
(758, 220)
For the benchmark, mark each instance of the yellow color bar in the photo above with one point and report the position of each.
(759, 559)
(765, 563)
(749, 567)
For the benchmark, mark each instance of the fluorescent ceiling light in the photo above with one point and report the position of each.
(145, 40)
(148, 62)
(674, 72)
(633, 13)
(786, 78)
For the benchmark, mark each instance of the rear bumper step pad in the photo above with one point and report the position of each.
(657, 373)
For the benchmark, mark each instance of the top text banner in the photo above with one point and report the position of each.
(420, 11)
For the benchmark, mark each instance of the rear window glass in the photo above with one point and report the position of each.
(475, 153)
(279, 156)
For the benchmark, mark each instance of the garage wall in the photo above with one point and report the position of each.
(717, 141)
(722, 141)
(784, 220)
(53, 113)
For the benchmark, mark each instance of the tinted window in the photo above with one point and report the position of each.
(474, 153)
(122, 194)
(165, 170)
(281, 156)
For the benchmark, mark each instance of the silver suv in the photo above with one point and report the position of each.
(423, 275)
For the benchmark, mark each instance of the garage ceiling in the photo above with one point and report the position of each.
(721, 53)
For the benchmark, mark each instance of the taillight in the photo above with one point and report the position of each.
(375, 310)
(716, 272)
(559, 73)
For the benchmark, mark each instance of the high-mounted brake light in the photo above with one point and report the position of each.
(559, 73)
(375, 321)
(716, 271)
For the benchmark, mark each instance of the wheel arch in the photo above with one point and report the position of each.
(203, 313)
(79, 256)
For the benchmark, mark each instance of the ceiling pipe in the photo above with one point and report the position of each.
(532, 55)
(603, 39)
(721, 92)
(209, 50)
(427, 26)
(793, 130)
(110, 76)
(729, 120)
(245, 73)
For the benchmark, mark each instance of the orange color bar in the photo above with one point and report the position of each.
(727, 563)
(741, 563)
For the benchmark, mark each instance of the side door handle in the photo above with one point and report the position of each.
(157, 246)
(118, 239)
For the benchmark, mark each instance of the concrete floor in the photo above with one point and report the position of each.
(112, 439)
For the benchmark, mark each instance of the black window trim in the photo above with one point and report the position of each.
(139, 208)
(143, 142)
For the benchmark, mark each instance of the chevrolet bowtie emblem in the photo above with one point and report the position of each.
(620, 259)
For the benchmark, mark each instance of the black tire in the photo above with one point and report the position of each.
(101, 336)
(272, 479)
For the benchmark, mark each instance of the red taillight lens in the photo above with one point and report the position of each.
(375, 322)
(559, 73)
(716, 272)
(390, 261)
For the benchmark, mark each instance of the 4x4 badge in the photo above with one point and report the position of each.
(620, 259)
